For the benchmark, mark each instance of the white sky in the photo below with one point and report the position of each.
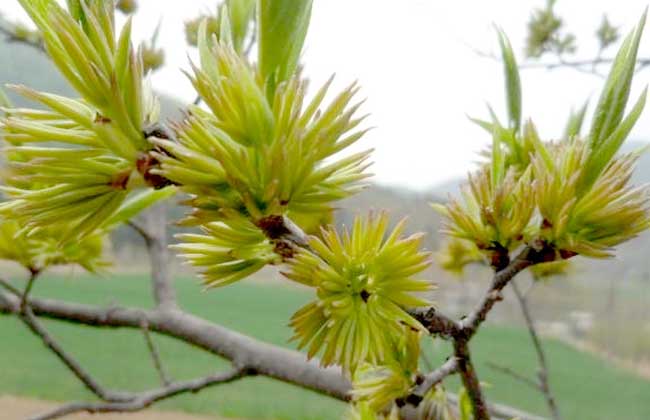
(415, 66)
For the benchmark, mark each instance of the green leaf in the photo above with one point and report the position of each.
(613, 99)
(282, 29)
(137, 203)
(225, 30)
(604, 154)
(498, 160)
(513, 83)
(485, 125)
(208, 60)
(75, 9)
(4, 99)
(241, 14)
(574, 124)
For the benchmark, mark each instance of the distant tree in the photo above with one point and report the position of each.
(261, 164)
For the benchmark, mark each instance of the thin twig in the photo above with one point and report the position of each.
(516, 375)
(34, 273)
(155, 356)
(147, 398)
(542, 372)
(470, 380)
(434, 377)
(140, 230)
(27, 316)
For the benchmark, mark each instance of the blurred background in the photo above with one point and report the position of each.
(424, 66)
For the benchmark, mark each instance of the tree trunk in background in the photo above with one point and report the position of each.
(159, 258)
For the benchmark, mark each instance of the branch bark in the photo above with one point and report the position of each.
(265, 359)
(145, 399)
(461, 332)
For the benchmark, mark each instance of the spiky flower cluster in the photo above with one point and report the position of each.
(262, 156)
(495, 210)
(230, 250)
(588, 220)
(574, 195)
(262, 151)
(74, 163)
(380, 385)
(41, 250)
(364, 281)
(239, 18)
(457, 253)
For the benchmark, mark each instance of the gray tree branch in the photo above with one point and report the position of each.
(265, 359)
(145, 399)
(514, 374)
(262, 358)
(24, 312)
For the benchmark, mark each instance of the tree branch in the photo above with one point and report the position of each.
(542, 372)
(140, 230)
(530, 255)
(470, 379)
(516, 375)
(155, 356)
(145, 399)
(432, 379)
(24, 311)
(266, 359)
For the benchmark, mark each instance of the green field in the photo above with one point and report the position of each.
(586, 388)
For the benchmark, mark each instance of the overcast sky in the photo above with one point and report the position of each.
(415, 62)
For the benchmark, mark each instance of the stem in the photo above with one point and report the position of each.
(470, 380)
(155, 355)
(542, 373)
(34, 273)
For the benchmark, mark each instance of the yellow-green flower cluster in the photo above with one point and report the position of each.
(41, 250)
(260, 151)
(457, 253)
(574, 195)
(228, 250)
(588, 220)
(381, 385)
(73, 164)
(233, 16)
(364, 280)
(262, 157)
(436, 406)
(494, 212)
